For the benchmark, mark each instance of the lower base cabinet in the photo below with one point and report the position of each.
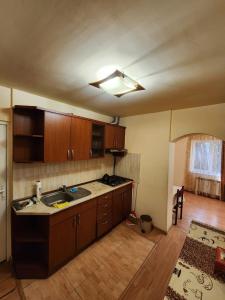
(42, 244)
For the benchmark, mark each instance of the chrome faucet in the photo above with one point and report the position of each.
(63, 188)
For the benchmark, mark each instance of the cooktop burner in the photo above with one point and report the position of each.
(113, 180)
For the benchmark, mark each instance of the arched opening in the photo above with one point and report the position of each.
(196, 161)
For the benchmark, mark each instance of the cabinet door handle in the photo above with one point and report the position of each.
(106, 205)
(90, 152)
(72, 151)
(78, 219)
(68, 154)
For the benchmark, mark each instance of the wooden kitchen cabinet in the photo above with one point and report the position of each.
(127, 201)
(120, 137)
(97, 140)
(114, 137)
(41, 135)
(122, 201)
(80, 143)
(62, 242)
(86, 225)
(42, 244)
(56, 137)
(117, 209)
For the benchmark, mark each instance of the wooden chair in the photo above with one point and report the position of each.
(179, 204)
(181, 200)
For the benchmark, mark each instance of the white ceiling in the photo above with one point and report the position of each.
(175, 49)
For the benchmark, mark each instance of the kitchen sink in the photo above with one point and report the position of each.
(58, 197)
(61, 196)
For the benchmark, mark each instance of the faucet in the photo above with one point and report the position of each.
(63, 188)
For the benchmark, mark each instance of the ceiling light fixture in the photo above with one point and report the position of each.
(118, 84)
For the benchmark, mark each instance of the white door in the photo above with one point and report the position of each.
(3, 191)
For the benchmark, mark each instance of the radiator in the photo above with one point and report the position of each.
(208, 187)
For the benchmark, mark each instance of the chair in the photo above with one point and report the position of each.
(179, 204)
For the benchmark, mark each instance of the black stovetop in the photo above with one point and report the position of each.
(113, 180)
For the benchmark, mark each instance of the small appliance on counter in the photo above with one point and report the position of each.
(113, 180)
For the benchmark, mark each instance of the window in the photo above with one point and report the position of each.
(206, 157)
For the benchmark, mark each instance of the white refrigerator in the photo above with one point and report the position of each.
(3, 191)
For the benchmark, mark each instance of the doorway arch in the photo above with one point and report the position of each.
(172, 166)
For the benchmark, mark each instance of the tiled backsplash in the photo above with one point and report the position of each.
(54, 175)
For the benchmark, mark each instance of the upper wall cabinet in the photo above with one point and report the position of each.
(28, 134)
(56, 137)
(98, 139)
(45, 136)
(80, 138)
(114, 137)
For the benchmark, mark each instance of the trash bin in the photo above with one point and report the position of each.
(146, 223)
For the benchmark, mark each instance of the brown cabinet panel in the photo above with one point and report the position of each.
(57, 137)
(127, 201)
(109, 136)
(117, 207)
(104, 226)
(86, 228)
(114, 137)
(120, 137)
(80, 138)
(62, 243)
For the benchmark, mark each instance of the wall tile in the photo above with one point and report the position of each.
(54, 175)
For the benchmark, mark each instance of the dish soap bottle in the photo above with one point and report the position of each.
(38, 190)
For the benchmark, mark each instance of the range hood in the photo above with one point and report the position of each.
(117, 152)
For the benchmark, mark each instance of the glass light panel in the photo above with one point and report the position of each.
(118, 85)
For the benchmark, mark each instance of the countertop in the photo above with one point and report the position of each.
(96, 188)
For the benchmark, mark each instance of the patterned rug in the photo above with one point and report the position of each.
(194, 276)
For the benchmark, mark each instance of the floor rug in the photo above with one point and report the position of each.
(194, 276)
(102, 271)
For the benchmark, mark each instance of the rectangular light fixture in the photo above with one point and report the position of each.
(118, 84)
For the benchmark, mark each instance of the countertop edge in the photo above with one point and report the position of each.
(26, 212)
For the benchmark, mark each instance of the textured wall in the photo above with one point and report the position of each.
(54, 175)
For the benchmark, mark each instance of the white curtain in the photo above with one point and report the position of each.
(203, 165)
(205, 158)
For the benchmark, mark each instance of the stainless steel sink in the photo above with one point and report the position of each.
(80, 193)
(61, 197)
(57, 197)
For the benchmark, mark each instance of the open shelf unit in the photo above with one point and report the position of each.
(28, 134)
(30, 245)
(98, 134)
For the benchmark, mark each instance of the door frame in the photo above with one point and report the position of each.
(8, 193)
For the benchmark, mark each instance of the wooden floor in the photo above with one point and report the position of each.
(151, 280)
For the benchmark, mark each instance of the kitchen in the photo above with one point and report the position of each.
(94, 96)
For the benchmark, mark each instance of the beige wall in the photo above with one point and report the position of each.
(206, 119)
(5, 103)
(149, 135)
(180, 161)
(24, 98)
(55, 175)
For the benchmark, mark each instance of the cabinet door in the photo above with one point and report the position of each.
(117, 207)
(80, 138)
(127, 202)
(86, 227)
(109, 136)
(62, 242)
(120, 137)
(56, 137)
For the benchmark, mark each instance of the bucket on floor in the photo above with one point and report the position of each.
(146, 223)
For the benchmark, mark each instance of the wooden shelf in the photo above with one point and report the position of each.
(30, 267)
(29, 135)
(29, 237)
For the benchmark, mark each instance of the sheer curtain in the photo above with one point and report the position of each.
(203, 167)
